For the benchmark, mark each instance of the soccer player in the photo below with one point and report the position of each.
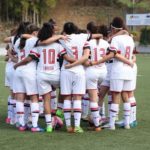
(121, 73)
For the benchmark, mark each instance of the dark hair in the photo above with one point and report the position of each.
(103, 29)
(70, 28)
(46, 31)
(118, 23)
(29, 30)
(52, 21)
(91, 27)
(81, 31)
(20, 30)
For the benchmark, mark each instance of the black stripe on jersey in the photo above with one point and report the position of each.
(34, 57)
(86, 47)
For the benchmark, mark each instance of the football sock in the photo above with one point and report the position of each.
(127, 110)
(35, 114)
(95, 113)
(67, 112)
(27, 111)
(77, 112)
(48, 120)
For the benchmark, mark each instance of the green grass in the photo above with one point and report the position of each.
(134, 139)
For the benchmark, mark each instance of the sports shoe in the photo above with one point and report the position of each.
(7, 120)
(78, 130)
(127, 126)
(22, 128)
(49, 129)
(106, 126)
(37, 129)
(70, 129)
(112, 128)
(60, 114)
(97, 129)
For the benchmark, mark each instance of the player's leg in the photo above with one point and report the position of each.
(66, 90)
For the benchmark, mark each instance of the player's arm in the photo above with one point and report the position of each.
(121, 32)
(83, 59)
(105, 58)
(28, 59)
(7, 40)
(68, 58)
(134, 58)
(11, 56)
(124, 60)
(26, 36)
(52, 39)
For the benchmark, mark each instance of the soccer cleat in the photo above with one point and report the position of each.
(37, 129)
(8, 120)
(135, 123)
(106, 126)
(97, 129)
(60, 114)
(78, 130)
(127, 126)
(17, 125)
(22, 128)
(49, 129)
(111, 128)
(70, 129)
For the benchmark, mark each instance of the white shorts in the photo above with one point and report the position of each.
(118, 85)
(94, 77)
(133, 84)
(46, 81)
(9, 74)
(25, 82)
(106, 83)
(72, 83)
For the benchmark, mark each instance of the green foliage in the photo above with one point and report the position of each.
(145, 36)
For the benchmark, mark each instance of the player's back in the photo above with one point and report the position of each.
(124, 45)
(48, 61)
(75, 45)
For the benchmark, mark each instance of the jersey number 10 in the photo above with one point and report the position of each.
(49, 56)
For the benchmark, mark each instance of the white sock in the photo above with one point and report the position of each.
(102, 111)
(15, 116)
(35, 114)
(60, 105)
(113, 113)
(11, 110)
(41, 105)
(20, 112)
(27, 111)
(85, 107)
(67, 112)
(95, 113)
(133, 109)
(109, 104)
(9, 107)
(127, 111)
(48, 120)
(77, 112)
(53, 101)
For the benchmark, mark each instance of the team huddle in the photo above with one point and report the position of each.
(66, 77)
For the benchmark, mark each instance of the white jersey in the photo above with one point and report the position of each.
(124, 45)
(75, 45)
(30, 43)
(48, 57)
(97, 51)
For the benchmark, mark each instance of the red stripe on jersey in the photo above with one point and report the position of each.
(67, 109)
(112, 48)
(118, 51)
(35, 54)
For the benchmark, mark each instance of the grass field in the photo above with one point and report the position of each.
(134, 139)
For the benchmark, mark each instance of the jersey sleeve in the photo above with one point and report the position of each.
(113, 46)
(62, 51)
(34, 54)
